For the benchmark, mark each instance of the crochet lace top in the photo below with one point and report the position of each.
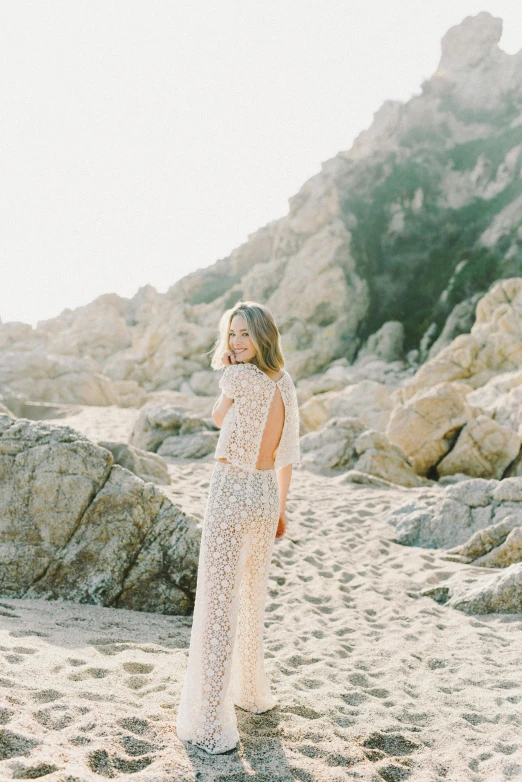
(242, 429)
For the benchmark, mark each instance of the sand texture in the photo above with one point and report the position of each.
(374, 680)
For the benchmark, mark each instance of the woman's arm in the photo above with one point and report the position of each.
(220, 409)
(284, 476)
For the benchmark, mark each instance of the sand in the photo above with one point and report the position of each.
(374, 681)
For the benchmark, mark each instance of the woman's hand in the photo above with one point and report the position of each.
(281, 527)
(229, 358)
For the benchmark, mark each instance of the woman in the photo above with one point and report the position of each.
(257, 446)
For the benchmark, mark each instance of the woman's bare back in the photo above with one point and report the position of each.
(272, 431)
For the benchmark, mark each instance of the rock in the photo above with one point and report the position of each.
(5, 411)
(343, 444)
(336, 378)
(490, 396)
(426, 425)
(460, 321)
(439, 525)
(386, 344)
(76, 527)
(483, 541)
(331, 448)
(508, 490)
(369, 401)
(475, 493)
(497, 593)
(461, 517)
(499, 545)
(21, 407)
(515, 469)
(157, 422)
(378, 457)
(483, 450)
(129, 393)
(493, 347)
(205, 383)
(390, 374)
(189, 446)
(466, 44)
(55, 379)
(146, 465)
(354, 476)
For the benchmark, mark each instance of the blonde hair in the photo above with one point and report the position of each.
(263, 333)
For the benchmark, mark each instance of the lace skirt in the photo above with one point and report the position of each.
(226, 661)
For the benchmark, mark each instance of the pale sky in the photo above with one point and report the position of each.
(143, 140)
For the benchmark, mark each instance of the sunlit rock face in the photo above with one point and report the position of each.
(75, 526)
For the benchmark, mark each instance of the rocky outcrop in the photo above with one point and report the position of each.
(460, 321)
(428, 200)
(74, 526)
(450, 517)
(497, 593)
(484, 449)
(499, 545)
(5, 411)
(387, 344)
(493, 347)
(166, 427)
(146, 465)
(368, 400)
(426, 425)
(344, 444)
(55, 378)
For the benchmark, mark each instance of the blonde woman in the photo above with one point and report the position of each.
(245, 513)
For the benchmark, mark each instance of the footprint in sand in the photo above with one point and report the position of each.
(134, 724)
(89, 673)
(53, 719)
(5, 716)
(133, 667)
(13, 745)
(47, 696)
(136, 747)
(108, 765)
(20, 771)
(14, 659)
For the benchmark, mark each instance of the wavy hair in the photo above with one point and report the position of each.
(263, 333)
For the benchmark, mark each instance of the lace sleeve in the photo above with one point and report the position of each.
(227, 382)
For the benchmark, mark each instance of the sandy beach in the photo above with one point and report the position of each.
(374, 681)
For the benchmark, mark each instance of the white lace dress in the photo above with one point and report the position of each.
(226, 656)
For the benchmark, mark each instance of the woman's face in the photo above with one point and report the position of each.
(239, 340)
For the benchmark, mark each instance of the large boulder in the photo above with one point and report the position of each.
(369, 401)
(379, 457)
(146, 465)
(494, 345)
(494, 593)
(386, 344)
(450, 517)
(158, 422)
(331, 449)
(74, 526)
(484, 449)
(189, 446)
(460, 321)
(54, 378)
(425, 426)
(344, 444)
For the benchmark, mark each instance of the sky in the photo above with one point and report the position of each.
(140, 141)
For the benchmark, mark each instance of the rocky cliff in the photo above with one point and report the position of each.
(410, 225)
